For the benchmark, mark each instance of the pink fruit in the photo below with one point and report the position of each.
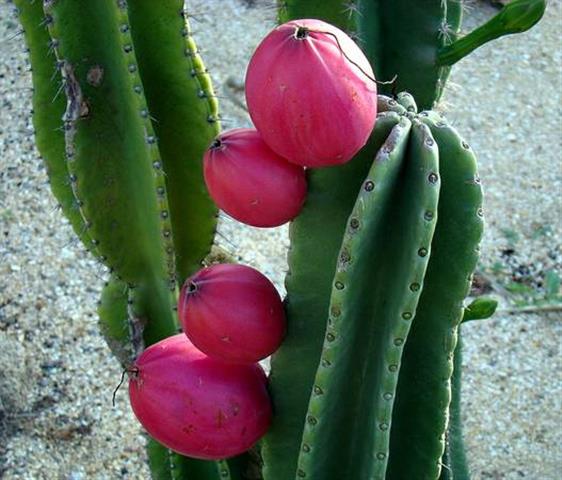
(196, 405)
(250, 182)
(307, 99)
(232, 312)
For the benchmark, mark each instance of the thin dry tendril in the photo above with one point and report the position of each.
(392, 81)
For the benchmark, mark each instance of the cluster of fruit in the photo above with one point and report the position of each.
(312, 97)
(202, 393)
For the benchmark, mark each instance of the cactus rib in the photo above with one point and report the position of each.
(48, 109)
(316, 236)
(112, 155)
(183, 106)
(377, 285)
(113, 318)
(424, 389)
(454, 462)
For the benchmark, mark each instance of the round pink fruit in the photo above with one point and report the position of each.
(252, 183)
(306, 97)
(196, 405)
(232, 312)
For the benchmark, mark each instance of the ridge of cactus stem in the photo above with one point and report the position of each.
(340, 13)
(49, 105)
(184, 109)
(421, 412)
(516, 17)
(114, 320)
(112, 155)
(410, 51)
(454, 462)
(316, 236)
(378, 281)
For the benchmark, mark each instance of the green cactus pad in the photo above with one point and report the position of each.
(316, 237)
(424, 388)
(377, 285)
(184, 110)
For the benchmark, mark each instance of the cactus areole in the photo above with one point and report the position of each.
(232, 312)
(252, 183)
(196, 405)
(311, 93)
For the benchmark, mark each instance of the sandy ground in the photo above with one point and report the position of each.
(57, 375)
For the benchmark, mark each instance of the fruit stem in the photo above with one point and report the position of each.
(192, 287)
(216, 144)
(392, 81)
(302, 32)
(131, 370)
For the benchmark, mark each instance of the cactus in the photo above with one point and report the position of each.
(312, 437)
(366, 384)
(381, 289)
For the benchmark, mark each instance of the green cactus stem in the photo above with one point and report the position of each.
(184, 109)
(397, 382)
(340, 13)
(415, 42)
(112, 155)
(454, 462)
(516, 17)
(49, 104)
(424, 389)
(107, 167)
(113, 312)
(316, 236)
(379, 278)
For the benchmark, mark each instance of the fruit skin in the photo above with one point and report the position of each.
(252, 183)
(196, 405)
(308, 101)
(232, 312)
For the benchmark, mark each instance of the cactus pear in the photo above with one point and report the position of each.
(311, 93)
(250, 182)
(232, 312)
(196, 405)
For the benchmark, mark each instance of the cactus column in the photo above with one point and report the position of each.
(375, 298)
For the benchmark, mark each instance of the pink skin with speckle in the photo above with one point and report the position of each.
(196, 405)
(252, 183)
(309, 102)
(232, 312)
